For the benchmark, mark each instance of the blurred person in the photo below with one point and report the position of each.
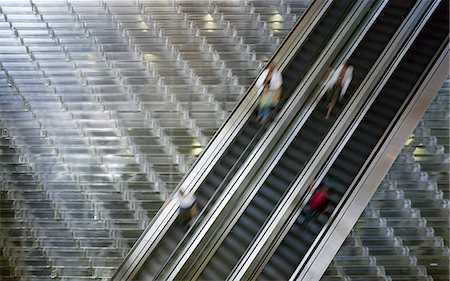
(337, 85)
(187, 206)
(269, 88)
(318, 203)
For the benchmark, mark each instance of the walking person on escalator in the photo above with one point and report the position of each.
(337, 85)
(187, 207)
(318, 203)
(269, 88)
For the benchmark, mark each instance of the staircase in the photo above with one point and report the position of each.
(104, 106)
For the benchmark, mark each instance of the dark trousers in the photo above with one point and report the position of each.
(310, 214)
(264, 112)
(334, 93)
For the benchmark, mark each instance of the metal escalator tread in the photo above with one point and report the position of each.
(236, 150)
(310, 136)
(423, 47)
(351, 157)
(287, 171)
(259, 209)
(213, 179)
(228, 161)
(347, 168)
(222, 172)
(234, 243)
(218, 270)
(302, 235)
(295, 247)
(283, 264)
(290, 164)
(219, 266)
(274, 183)
(242, 231)
(389, 106)
(273, 273)
(270, 192)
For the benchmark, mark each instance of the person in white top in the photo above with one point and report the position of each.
(269, 90)
(337, 85)
(187, 206)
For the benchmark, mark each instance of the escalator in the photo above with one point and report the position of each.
(244, 141)
(391, 101)
(302, 148)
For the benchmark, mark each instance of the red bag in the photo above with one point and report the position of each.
(319, 199)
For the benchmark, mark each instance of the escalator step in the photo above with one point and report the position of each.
(214, 271)
(270, 193)
(270, 274)
(249, 222)
(341, 176)
(285, 172)
(235, 151)
(242, 234)
(280, 264)
(214, 180)
(233, 248)
(290, 161)
(226, 163)
(243, 139)
(294, 246)
(265, 206)
(272, 182)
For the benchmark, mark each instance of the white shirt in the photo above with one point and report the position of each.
(275, 82)
(185, 201)
(334, 76)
